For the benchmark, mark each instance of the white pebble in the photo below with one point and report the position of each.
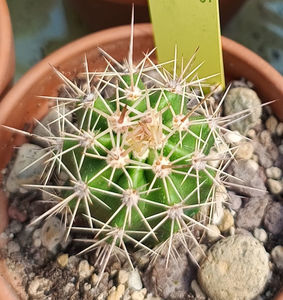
(85, 269)
(116, 294)
(233, 137)
(134, 281)
(273, 172)
(37, 243)
(251, 134)
(275, 186)
(227, 221)
(277, 256)
(271, 124)
(253, 164)
(13, 247)
(212, 233)
(123, 277)
(38, 287)
(138, 295)
(52, 233)
(260, 234)
(245, 150)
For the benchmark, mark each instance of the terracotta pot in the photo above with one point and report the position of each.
(7, 54)
(109, 13)
(21, 105)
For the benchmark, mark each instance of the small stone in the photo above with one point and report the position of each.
(250, 175)
(94, 279)
(279, 129)
(52, 233)
(62, 260)
(260, 234)
(37, 243)
(171, 281)
(274, 186)
(239, 99)
(117, 294)
(13, 247)
(233, 137)
(250, 216)
(235, 201)
(245, 150)
(134, 281)
(36, 234)
(85, 269)
(273, 172)
(251, 134)
(139, 295)
(212, 233)
(271, 124)
(87, 287)
(69, 288)
(280, 148)
(15, 226)
(265, 138)
(24, 169)
(277, 256)
(235, 268)
(39, 287)
(227, 221)
(197, 291)
(123, 277)
(273, 218)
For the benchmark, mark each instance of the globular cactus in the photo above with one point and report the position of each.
(142, 167)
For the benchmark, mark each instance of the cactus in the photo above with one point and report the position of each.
(143, 168)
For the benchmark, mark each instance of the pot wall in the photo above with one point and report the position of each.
(21, 105)
(7, 54)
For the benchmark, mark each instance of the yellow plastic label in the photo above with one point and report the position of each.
(188, 25)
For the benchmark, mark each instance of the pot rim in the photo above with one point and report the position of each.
(7, 55)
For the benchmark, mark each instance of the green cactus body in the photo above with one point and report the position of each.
(140, 160)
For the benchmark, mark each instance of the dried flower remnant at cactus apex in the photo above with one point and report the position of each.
(138, 162)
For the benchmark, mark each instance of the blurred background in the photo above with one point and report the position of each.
(41, 26)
